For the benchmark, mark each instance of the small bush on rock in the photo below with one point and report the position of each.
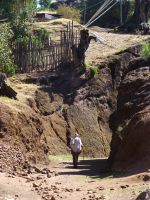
(146, 50)
(94, 71)
(85, 66)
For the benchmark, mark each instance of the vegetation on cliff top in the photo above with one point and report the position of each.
(146, 50)
(69, 12)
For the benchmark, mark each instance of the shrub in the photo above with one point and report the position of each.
(20, 26)
(42, 34)
(37, 41)
(94, 71)
(85, 66)
(69, 12)
(45, 3)
(119, 132)
(146, 50)
(20, 14)
(6, 61)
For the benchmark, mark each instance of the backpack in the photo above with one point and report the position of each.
(71, 142)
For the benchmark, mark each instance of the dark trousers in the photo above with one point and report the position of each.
(75, 156)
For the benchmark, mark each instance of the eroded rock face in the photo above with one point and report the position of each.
(35, 135)
(38, 122)
(84, 106)
(131, 122)
(89, 113)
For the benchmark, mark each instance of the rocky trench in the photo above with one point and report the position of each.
(114, 102)
(38, 125)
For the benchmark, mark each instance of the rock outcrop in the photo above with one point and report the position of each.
(131, 121)
(144, 195)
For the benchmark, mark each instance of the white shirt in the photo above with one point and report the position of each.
(76, 144)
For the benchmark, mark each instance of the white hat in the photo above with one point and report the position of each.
(76, 135)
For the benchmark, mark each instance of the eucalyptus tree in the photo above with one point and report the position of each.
(45, 3)
(16, 7)
(141, 11)
(19, 14)
(134, 12)
(140, 14)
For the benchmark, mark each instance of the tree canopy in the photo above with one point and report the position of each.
(45, 3)
(19, 13)
(136, 11)
(10, 7)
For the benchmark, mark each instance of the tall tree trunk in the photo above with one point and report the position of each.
(140, 14)
(141, 11)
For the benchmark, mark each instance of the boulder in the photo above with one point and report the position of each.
(144, 195)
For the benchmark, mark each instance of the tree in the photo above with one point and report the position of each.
(45, 3)
(140, 15)
(88, 9)
(141, 11)
(134, 13)
(11, 7)
(20, 13)
(6, 60)
(110, 18)
(69, 12)
(17, 6)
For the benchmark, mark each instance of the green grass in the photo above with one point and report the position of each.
(85, 66)
(66, 157)
(146, 50)
(94, 71)
(58, 158)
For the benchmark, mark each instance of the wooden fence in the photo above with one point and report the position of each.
(50, 55)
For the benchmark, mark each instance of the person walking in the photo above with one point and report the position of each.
(76, 147)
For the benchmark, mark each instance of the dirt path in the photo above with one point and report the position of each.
(89, 181)
(16, 188)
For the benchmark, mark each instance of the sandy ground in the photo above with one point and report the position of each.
(89, 181)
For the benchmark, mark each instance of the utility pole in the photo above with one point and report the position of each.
(84, 12)
(121, 18)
